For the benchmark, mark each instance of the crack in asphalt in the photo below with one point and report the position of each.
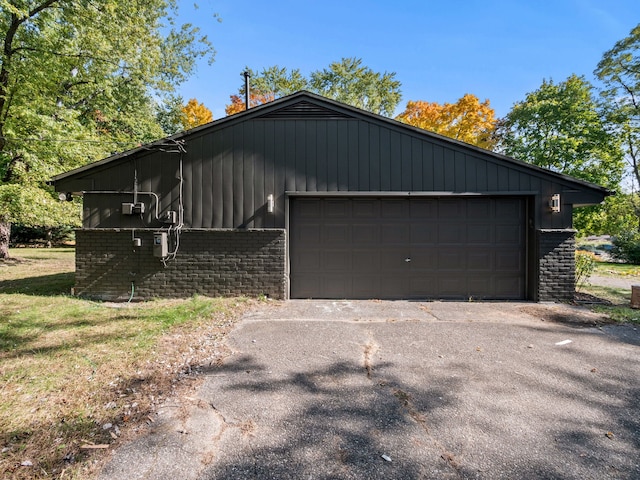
(370, 348)
(223, 420)
(426, 309)
(406, 402)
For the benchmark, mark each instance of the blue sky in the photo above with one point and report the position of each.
(439, 50)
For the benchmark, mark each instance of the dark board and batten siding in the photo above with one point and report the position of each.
(230, 171)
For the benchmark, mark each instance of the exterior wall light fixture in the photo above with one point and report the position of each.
(270, 203)
(555, 203)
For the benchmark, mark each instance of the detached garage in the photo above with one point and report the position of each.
(305, 197)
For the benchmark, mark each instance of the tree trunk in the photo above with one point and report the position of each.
(5, 233)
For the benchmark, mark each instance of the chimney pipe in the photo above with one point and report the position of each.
(247, 94)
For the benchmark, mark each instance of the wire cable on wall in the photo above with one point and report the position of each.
(178, 229)
(126, 192)
(171, 146)
(133, 289)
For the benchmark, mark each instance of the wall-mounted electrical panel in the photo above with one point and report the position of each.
(160, 244)
(133, 208)
(170, 217)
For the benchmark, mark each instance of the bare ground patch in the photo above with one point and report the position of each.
(566, 315)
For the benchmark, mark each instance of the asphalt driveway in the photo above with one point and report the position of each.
(402, 390)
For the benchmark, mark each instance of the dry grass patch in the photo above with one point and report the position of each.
(76, 373)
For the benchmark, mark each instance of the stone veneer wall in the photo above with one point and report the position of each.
(556, 269)
(209, 262)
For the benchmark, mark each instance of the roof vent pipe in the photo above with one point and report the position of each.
(247, 75)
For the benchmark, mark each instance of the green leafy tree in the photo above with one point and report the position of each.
(169, 114)
(615, 216)
(276, 81)
(33, 207)
(561, 127)
(72, 90)
(619, 70)
(626, 247)
(347, 81)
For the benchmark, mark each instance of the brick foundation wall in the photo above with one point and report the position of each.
(556, 272)
(208, 262)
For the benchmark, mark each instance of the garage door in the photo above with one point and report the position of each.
(394, 248)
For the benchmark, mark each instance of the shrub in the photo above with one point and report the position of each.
(27, 235)
(585, 265)
(626, 247)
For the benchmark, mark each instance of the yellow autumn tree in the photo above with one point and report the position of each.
(195, 114)
(467, 120)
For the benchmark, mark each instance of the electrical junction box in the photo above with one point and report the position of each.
(170, 217)
(133, 208)
(137, 242)
(127, 208)
(160, 244)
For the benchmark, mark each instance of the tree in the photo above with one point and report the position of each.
(32, 206)
(72, 91)
(276, 81)
(169, 114)
(195, 114)
(238, 103)
(273, 82)
(467, 120)
(346, 81)
(614, 217)
(561, 127)
(619, 70)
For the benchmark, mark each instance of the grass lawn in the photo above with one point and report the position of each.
(616, 300)
(617, 269)
(619, 309)
(69, 367)
(616, 303)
